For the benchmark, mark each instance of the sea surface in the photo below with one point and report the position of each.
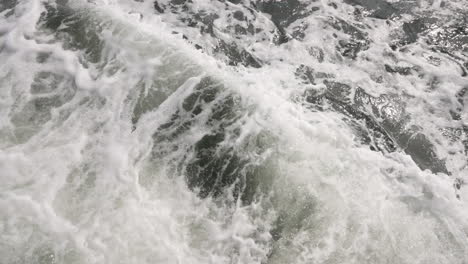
(233, 131)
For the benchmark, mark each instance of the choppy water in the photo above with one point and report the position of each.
(235, 131)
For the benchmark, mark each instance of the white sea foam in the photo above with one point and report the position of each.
(86, 178)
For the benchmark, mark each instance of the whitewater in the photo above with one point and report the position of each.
(233, 131)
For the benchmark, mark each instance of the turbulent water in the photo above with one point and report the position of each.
(234, 131)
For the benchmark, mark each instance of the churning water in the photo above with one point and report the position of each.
(233, 131)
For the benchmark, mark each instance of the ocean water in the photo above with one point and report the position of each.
(233, 131)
